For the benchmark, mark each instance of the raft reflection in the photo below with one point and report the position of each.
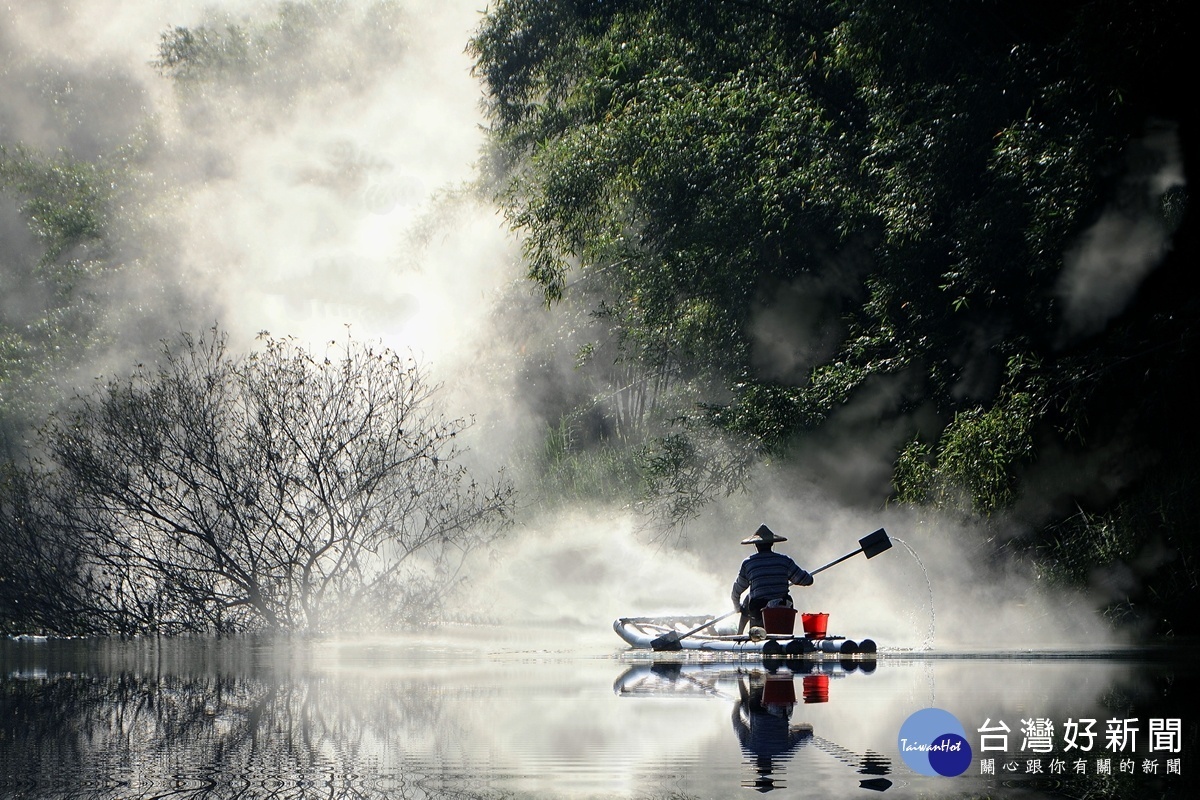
(763, 709)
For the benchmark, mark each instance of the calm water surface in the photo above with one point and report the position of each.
(462, 716)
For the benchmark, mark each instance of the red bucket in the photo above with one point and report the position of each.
(816, 626)
(779, 620)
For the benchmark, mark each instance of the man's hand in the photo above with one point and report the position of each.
(805, 579)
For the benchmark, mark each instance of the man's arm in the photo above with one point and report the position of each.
(799, 576)
(740, 585)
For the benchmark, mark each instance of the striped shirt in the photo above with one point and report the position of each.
(768, 575)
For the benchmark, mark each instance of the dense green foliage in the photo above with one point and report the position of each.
(774, 209)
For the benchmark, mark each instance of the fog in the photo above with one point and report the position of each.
(316, 190)
(1103, 271)
(328, 189)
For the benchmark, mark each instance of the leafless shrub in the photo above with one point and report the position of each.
(280, 490)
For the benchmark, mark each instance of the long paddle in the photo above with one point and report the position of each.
(870, 545)
(670, 640)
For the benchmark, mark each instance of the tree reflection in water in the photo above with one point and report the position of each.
(280, 734)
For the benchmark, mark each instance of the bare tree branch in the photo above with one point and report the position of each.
(277, 490)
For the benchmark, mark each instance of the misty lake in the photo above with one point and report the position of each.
(481, 713)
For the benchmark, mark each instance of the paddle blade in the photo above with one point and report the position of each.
(668, 642)
(875, 543)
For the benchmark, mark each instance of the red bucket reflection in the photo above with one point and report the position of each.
(816, 688)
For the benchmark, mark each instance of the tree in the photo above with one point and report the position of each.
(279, 490)
(40, 586)
(898, 185)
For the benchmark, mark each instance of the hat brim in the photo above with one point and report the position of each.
(756, 539)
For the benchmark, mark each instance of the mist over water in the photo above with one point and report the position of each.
(327, 189)
(571, 574)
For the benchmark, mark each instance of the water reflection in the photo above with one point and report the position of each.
(126, 721)
(475, 716)
(763, 698)
(762, 720)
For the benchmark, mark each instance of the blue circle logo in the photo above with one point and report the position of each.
(933, 742)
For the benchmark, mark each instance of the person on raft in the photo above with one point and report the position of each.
(768, 575)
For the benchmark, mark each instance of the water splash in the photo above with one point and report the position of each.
(927, 644)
